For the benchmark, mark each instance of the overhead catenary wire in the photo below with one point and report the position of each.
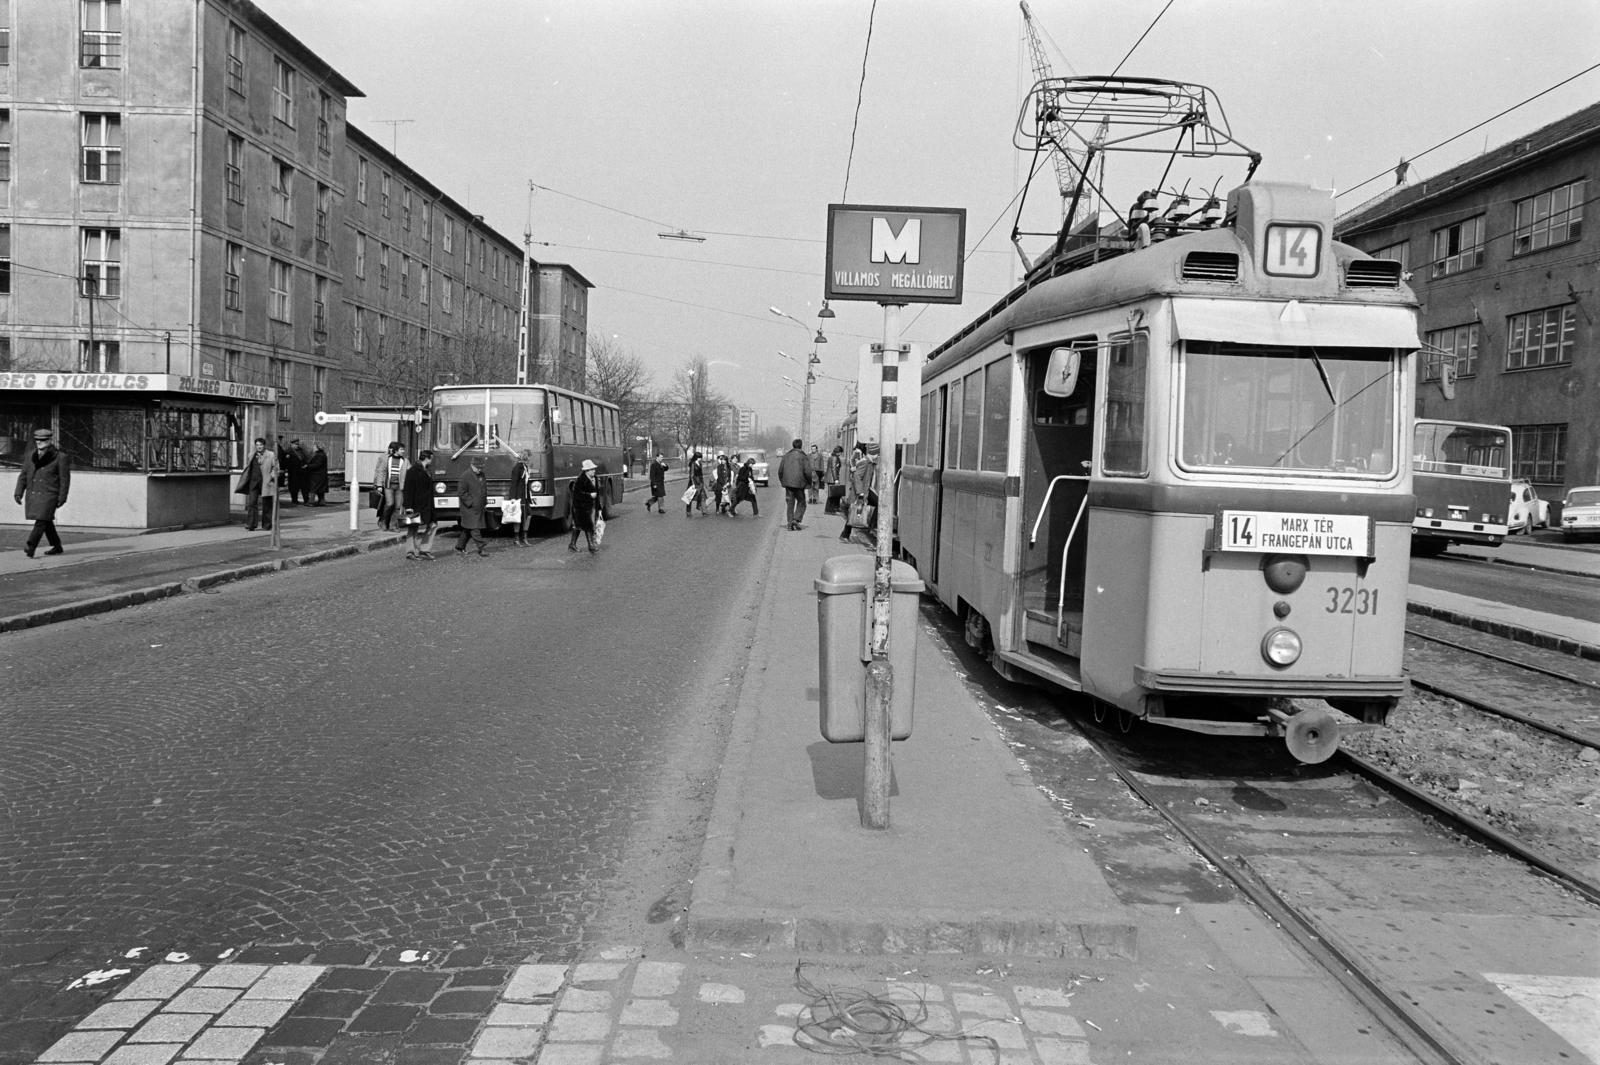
(861, 91)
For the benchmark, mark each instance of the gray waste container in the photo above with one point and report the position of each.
(844, 621)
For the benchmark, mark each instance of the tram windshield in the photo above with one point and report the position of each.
(489, 419)
(1288, 409)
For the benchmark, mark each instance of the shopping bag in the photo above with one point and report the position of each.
(599, 528)
(688, 495)
(510, 511)
(858, 513)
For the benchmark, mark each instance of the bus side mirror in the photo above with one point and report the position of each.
(1447, 380)
(1061, 376)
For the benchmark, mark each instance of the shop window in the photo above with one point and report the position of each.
(103, 438)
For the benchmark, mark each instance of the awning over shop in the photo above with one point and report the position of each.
(1296, 324)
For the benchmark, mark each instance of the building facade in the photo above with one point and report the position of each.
(558, 332)
(1507, 269)
(184, 199)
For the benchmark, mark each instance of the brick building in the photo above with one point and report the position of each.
(1498, 252)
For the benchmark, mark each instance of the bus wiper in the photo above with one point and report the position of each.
(1322, 372)
(464, 447)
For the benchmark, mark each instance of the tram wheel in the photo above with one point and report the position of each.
(1312, 735)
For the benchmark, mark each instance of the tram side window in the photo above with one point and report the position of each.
(971, 420)
(952, 442)
(17, 423)
(996, 414)
(1123, 450)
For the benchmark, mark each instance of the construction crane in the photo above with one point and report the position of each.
(1051, 123)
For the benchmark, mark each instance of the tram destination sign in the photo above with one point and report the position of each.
(1272, 531)
(895, 254)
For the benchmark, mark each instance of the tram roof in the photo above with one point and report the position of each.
(1136, 275)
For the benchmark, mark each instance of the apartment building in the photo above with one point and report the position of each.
(196, 249)
(1499, 254)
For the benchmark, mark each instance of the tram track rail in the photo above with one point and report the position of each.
(1575, 692)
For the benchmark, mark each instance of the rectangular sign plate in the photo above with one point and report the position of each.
(895, 254)
(1277, 532)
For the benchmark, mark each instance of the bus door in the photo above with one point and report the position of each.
(1058, 448)
(933, 443)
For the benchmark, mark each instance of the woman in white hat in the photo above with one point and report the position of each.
(583, 501)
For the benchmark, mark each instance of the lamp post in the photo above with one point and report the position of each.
(812, 360)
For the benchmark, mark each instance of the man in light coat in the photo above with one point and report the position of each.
(794, 473)
(259, 485)
(44, 482)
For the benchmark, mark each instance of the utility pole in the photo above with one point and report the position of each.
(527, 293)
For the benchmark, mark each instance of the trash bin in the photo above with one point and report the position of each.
(844, 622)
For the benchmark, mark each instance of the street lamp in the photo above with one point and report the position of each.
(811, 360)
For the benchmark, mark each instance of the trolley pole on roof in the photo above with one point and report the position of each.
(877, 768)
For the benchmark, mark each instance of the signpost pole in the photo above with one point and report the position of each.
(352, 471)
(877, 768)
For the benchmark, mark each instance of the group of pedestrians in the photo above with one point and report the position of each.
(305, 472)
(732, 481)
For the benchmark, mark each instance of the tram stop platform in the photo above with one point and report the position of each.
(974, 859)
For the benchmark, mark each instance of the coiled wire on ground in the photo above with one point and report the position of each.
(852, 1021)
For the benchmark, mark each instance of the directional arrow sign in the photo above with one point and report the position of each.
(322, 417)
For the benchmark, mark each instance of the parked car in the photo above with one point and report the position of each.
(758, 472)
(1528, 512)
(1580, 512)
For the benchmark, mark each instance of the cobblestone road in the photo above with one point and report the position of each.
(497, 756)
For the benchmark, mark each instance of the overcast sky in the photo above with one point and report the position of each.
(733, 119)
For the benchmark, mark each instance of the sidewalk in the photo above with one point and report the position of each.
(1574, 636)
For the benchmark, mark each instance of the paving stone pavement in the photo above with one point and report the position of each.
(615, 1008)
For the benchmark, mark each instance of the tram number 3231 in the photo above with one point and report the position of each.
(1352, 601)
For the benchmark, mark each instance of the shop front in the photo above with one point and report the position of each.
(148, 450)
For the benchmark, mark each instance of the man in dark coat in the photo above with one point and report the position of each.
(316, 474)
(45, 479)
(290, 462)
(744, 488)
(416, 499)
(658, 484)
(473, 496)
(794, 473)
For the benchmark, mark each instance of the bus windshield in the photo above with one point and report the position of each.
(1288, 409)
(483, 419)
(1464, 450)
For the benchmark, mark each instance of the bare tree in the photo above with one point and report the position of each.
(697, 420)
(618, 376)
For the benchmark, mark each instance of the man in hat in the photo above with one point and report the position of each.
(45, 478)
(472, 497)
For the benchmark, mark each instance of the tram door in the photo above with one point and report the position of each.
(1059, 442)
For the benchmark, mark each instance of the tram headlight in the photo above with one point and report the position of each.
(1281, 647)
(1284, 573)
(536, 487)
(438, 488)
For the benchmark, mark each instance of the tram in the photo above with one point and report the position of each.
(1169, 470)
(1461, 473)
(558, 427)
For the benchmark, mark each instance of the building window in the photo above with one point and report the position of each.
(361, 179)
(1541, 338)
(1458, 247)
(319, 387)
(449, 235)
(383, 332)
(405, 207)
(483, 253)
(102, 149)
(5, 259)
(319, 313)
(1552, 217)
(5, 144)
(5, 353)
(324, 123)
(383, 266)
(234, 171)
(278, 373)
(444, 295)
(103, 356)
(358, 330)
(405, 277)
(361, 255)
(5, 61)
(324, 208)
(1440, 344)
(101, 41)
(383, 194)
(1399, 252)
(427, 223)
(282, 278)
(1539, 453)
(283, 92)
(422, 285)
(282, 192)
(236, 44)
(101, 276)
(233, 277)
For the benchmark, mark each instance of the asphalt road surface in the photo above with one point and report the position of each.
(512, 752)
